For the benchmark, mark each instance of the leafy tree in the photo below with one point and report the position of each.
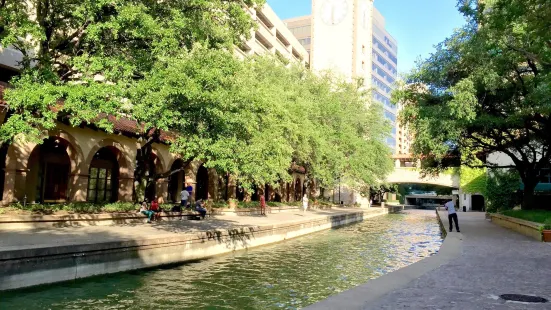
(486, 89)
(378, 191)
(169, 68)
(87, 58)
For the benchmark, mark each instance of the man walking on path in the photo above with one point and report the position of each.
(184, 196)
(305, 202)
(452, 215)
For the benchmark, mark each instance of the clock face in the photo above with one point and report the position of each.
(334, 11)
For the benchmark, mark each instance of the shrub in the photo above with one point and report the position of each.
(501, 190)
(546, 225)
(77, 207)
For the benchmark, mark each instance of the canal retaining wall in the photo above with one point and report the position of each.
(40, 221)
(34, 266)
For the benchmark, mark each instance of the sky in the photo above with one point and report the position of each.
(417, 25)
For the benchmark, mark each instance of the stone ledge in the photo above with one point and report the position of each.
(78, 219)
(527, 228)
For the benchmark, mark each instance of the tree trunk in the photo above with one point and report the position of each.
(528, 197)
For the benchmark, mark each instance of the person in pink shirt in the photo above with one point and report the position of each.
(262, 205)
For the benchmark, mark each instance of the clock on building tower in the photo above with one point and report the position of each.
(333, 12)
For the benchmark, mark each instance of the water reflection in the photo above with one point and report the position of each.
(288, 275)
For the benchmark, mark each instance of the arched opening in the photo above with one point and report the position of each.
(267, 192)
(255, 195)
(152, 168)
(49, 171)
(176, 181)
(239, 192)
(477, 203)
(103, 176)
(3, 155)
(202, 187)
(288, 192)
(298, 190)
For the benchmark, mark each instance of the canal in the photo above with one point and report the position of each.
(288, 275)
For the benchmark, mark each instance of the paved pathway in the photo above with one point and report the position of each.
(472, 269)
(39, 238)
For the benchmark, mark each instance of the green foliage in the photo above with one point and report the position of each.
(79, 207)
(169, 67)
(538, 216)
(486, 89)
(501, 190)
(473, 180)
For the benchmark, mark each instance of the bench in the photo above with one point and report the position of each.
(194, 215)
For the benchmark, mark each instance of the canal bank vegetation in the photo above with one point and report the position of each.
(485, 91)
(126, 207)
(168, 72)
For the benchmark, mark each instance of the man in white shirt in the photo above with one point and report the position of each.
(184, 196)
(452, 215)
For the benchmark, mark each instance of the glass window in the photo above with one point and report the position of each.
(381, 85)
(390, 116)
(385, 51)
(305, 41)
(99, 185)
(380, 59)
(377, 96)
(382, 73)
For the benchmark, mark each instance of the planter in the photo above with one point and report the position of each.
(546, 235)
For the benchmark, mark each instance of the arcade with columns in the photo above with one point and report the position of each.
(81, 164)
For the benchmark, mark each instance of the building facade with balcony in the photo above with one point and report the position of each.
(273, 37)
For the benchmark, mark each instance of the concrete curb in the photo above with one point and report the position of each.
(527, 228)
(361, 297)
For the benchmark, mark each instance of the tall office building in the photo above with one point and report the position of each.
(384, 72)
(349, 37)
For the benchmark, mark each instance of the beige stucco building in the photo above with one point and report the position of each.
(78, 164)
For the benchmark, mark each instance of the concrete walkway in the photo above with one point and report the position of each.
(42, 238)
(471, 270)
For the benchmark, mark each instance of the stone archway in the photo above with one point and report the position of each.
(153, 167)
(298, 190)
(49, 170)
(202, 186)
(176, 181)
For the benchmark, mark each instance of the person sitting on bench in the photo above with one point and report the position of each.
(156, 209)
(199, 208)
(144, 209)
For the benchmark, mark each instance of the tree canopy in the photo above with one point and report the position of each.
(170, 68)
(486, 89)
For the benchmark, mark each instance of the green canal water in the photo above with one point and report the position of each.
(288, 275)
